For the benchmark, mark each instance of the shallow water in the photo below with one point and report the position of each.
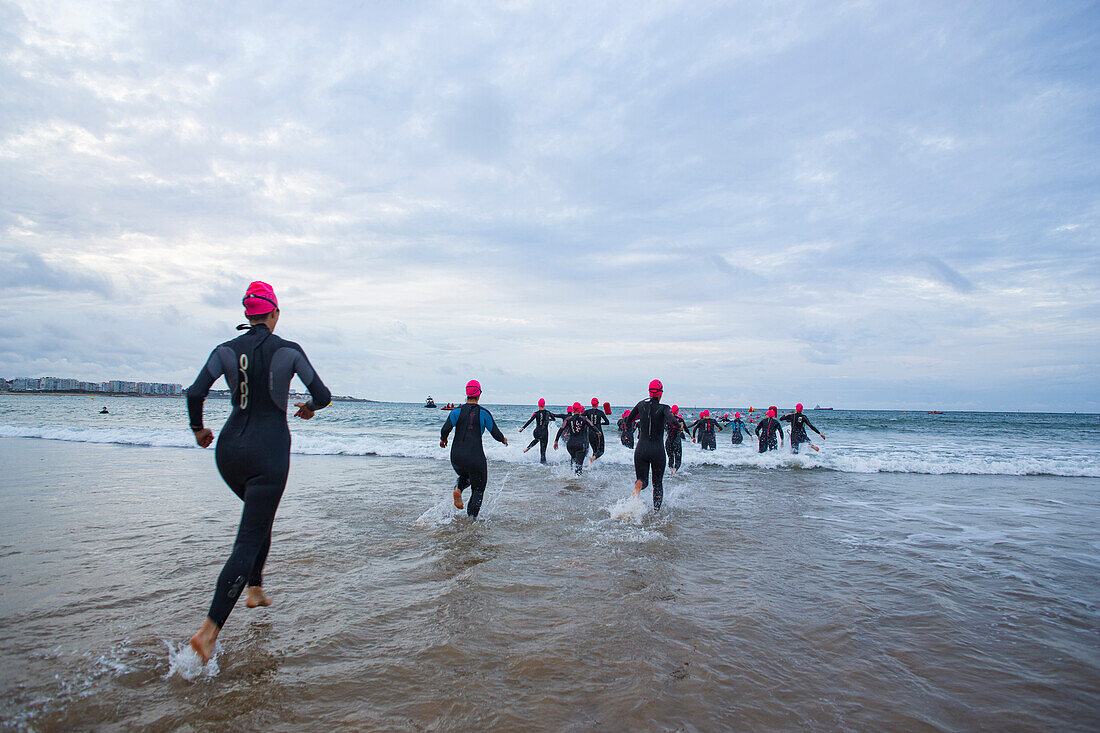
(758, 598)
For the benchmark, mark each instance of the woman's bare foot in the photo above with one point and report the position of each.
(637, 488)
(256, 597)
(203, 642)
(458, 499)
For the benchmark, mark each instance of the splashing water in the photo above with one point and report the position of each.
(183, 661)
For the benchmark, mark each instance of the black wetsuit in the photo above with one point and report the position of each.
(704, 428)
(674, 442)
(765, 431)
(253, 450)
(799, 423)
(467, 452)
(542, 418)
(738, 426)
(597, 417)
(649, 456)
(626, 433)
(575, 428)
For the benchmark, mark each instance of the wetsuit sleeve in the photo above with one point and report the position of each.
(493, 429)
(449, 423)
(196, 393)
(529, 420)
(759, 426)
(319, 395)
(694, 428)
(779, 428)
(560, 431)
(719, 425)
(810, 426)
(635, 414)
(787, 418)
(604, 420)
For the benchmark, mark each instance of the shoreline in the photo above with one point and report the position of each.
(40, 393)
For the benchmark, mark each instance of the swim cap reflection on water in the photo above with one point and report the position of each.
(259, 299)
(798, 407)
(542, 403)
(473, 388)
(675, 409)
(655, 387)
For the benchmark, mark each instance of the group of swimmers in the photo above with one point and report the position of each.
(253, 448)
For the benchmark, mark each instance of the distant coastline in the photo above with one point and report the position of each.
(218, 395)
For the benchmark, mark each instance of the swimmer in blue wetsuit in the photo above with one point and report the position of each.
(738, 426)
(253, 451)
(467, 452)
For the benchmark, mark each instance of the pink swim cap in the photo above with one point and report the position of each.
(626, 413)
(655, 387)
(473, 388)
(595, 401)
(772, 411)
(577, 407)
(259, 299)
(542, 403)
(798, 407)
(704, 413)
(737, 415)
(675, 409)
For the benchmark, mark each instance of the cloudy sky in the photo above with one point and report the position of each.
(859, 204)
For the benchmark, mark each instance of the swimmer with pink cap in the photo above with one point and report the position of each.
(676, 434)
(598, 418)
(703, 429)
(799, 423)
(651, 417)
(737, 427)
(576, 428)
(542, 419)
(467, 452)
(626, 430)
(766, 431)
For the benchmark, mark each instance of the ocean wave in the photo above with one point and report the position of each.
(863, 460)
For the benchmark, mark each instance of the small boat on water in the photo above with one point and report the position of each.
(819, 407)
(430, 403)
(448, 406)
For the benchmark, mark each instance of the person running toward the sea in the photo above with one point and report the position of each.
(799, 423)
(649, 455)
(626, 431)
(575, 428)
(467, 452)
(542, 418)
(703, 429)
(598, 418)
(676, 434)
(253, 451)
(766, 430)
(738, 425)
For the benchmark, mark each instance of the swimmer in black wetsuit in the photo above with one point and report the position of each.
(703, 429)
(542, 418)
(598, 418)
(649, 456)
(253, 451)
(467, 452)
(799, 423)
(738, 425)
(626, 431)
(677, 433)
(766, 430)
(575, 428)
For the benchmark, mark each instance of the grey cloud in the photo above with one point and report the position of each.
(947, 275)
(29, 271)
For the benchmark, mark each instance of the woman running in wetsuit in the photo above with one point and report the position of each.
(766, 430)
(738, 426)
(253, 451)
(542, 418)
(649, 455)
(575, 428)
(703, 430)
(598, 418)
(677, 433)
(467, 451)
(799, 423)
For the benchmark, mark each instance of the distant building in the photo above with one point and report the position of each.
(64, 384)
